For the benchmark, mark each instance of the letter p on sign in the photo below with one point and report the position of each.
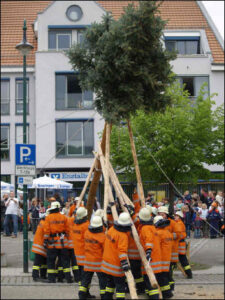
(24, 152)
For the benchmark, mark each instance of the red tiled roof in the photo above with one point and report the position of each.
(180, 15)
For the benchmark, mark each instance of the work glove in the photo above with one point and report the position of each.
(130, 209)
(125, 266)
(148, 254)
(45, 244)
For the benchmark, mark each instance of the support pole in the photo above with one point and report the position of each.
(106, 175)
(138, 174)
(87, 182)
(128, 274)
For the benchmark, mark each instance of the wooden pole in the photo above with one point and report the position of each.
(128, 274)
(181, 269)
(106, 175)
(96, 178)
(87, 182)
(138, 174)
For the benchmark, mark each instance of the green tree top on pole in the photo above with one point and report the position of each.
(124, 63)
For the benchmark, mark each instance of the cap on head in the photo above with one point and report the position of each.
(124, 219)
(163, 209)
(179, 213)
(154, 210)
(157, 219)
(55, 205)
(96, 221)
(214, 204)
(99, 212)
(52, 199)
(144, 214)
(81, 213)
(149, 208)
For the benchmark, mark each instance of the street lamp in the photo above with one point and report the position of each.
(24, 48)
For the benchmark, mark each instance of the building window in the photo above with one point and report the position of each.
(5, 142)
(69, 94)
(80, 36)
(193, 84)
(5, 178)
(74, 13)
(59, 39)
(19, 97)
(19, 134)
(74, 138)
(184, 46)
(5, 98)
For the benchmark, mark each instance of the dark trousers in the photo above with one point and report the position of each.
(34, 222)
(20, 224)
(112, 283)
(86, 282)
(62, 254)
(39, 266)
(171, 280)
(135, 265)
(163, 281)
(73, 264)
(153, 293)
(185, 264)
(7, 220)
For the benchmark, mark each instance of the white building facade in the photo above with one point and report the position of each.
(61, 120)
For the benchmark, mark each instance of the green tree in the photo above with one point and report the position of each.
(124, 62)
(181, 139)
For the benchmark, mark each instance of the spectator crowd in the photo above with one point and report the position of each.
(203, 213)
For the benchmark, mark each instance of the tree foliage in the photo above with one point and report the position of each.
(124, 62)
(181, 140)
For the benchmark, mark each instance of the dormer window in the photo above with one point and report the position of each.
(183, 45)
(74, 13)
(59, 39)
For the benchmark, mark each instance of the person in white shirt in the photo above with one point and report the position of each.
(12, 205)
(205, 226)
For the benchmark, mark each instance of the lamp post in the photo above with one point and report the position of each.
(24, 48)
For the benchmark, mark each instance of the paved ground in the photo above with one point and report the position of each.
(206, 284)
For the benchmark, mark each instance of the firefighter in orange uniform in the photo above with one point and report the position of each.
(115, 257)
(174, 229)
(166, 240)
(94, 239)
(182, 244)
(73, 207)
(136, 201)
(150, 242)
(56, 231)
(40, 261)
(72, 257)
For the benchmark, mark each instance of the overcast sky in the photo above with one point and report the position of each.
(216, 12)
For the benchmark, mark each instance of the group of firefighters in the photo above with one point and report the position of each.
(63, 243)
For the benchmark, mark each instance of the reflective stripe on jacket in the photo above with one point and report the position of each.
(115, 250)
(174, 229)
(93, 249)
(166, 242)
(78, 231)
(38, 241)
(183, 234)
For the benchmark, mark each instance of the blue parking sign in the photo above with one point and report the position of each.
(25, 155)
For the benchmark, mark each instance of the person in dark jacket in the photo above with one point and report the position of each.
(214, 218)
(197, 222)
(187, 220)
(204, 196)
(34, 210)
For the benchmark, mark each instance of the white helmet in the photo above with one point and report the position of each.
(154, 210)
(96, 221)
(157, 218)
(179, 213)
(47, 212)
(149, 208)
(55, 205)
(219, 199)
(163, 209)
(81, 213)
(144, 214)
(77, 198)
(124, 219)
(99, 212)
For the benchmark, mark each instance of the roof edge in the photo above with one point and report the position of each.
(211, 24)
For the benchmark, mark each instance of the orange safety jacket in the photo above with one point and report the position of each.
(174, 229)
(78, 231)
(182, 234)
(72, 208)
(93, 250)
(56, 230)
(136, 201)
(133, 252)
(38, 241)
(150, 240)
(166, 243)
(70, 236)
(115, 250)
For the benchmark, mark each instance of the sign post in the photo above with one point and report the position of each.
(25, 167)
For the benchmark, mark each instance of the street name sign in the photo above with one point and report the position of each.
(25, 160)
